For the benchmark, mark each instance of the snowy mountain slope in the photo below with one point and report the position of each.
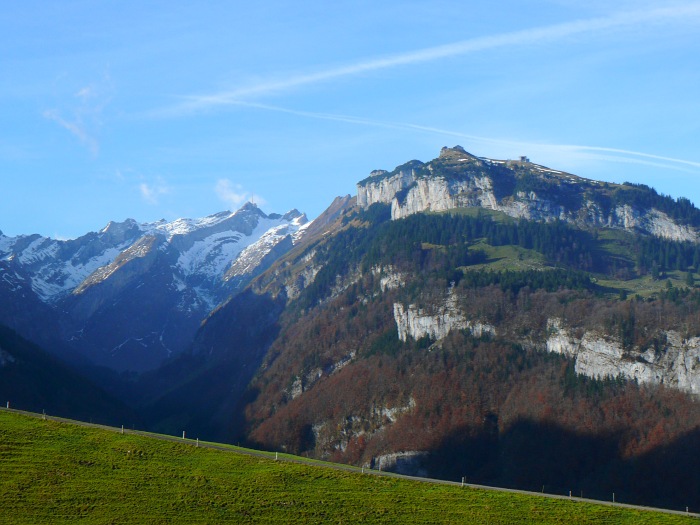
(206, 248)
(250, 258)
(133, 293)
(57, 267)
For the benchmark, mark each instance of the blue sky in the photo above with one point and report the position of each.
(177, 109)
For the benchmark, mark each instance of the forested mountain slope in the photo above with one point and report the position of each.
(498, 320)
(468, 342)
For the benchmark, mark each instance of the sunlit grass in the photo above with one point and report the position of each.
(56, 472)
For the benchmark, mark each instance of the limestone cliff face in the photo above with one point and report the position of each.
(654, 222)
(440, 194)
(383, 189)
(410, 463)
(597, 355)
(676, 365)
(458, 179)
(436, 322)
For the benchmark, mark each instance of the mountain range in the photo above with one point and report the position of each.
(494, 319)
(132, 295)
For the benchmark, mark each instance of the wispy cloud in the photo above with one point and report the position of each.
(76, 127)
(82, 115)
(151, 192)
(193, 104)
(230, 193)
(234, 195)
(553, 150)
(625, 152)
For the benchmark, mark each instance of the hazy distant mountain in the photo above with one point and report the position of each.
(133, 294)
(31, 379)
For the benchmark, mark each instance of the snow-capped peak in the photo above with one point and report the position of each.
(203, 248)
(186, 226)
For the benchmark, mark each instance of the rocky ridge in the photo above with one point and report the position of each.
(675, 363)
(520, 189)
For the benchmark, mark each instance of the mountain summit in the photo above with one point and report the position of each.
(526, 190)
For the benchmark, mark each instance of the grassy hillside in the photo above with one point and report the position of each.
(57, 472)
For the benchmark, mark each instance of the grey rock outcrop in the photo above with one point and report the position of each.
(458, 179)
(436, 322)
(597, 355)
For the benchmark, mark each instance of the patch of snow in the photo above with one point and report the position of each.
(214, 254)
(185, 226)
(301, 229)
(180, 285)
(57, 268)
(39, 250)
(59, 277)
(547, 170)
(11, 280)
(139, 249)
(205, 297)
(251, 256)
(211, 254)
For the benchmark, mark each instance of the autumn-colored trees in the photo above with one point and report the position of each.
(337, 383)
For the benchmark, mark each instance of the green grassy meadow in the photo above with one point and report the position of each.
(58, 472)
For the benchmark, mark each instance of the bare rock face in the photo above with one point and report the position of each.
(457, 179)
(409, 463)
(436, 322)
(383, 188)
(440, 194)
(599, 356)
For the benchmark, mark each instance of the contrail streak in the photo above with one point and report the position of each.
(516, 38)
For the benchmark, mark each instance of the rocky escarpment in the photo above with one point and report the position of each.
(520, 189)
(676, 364)
(670, 360)
(410, 463)
(436, 322)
